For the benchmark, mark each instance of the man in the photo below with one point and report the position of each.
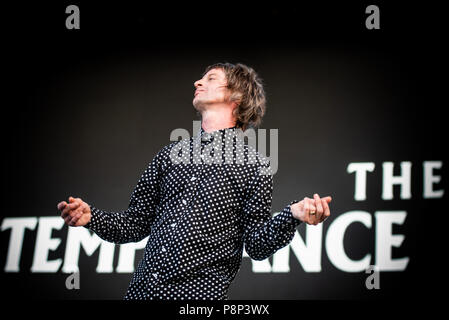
(200, 213)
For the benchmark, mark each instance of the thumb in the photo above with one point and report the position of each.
(61, 205)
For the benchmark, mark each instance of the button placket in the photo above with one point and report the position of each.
(192, 187)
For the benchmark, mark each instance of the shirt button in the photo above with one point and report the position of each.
(193, 178)
(155, 275)
(184, 202)
(163, 249)
(173, 225)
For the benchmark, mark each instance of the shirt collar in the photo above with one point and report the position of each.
(209, 136)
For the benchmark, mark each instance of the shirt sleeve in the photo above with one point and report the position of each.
(264, 234)
(133, 224)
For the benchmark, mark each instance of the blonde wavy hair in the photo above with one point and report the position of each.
(247, 90)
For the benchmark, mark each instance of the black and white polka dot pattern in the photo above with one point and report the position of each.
(199, 217)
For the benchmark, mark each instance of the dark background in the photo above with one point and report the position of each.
(84, 111)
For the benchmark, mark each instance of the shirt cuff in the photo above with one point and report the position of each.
(287, 217)
(94, 218)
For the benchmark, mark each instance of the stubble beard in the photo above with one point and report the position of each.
(199, 105)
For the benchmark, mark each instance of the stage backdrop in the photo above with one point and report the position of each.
(90, 113)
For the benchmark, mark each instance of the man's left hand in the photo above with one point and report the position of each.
(312, 211)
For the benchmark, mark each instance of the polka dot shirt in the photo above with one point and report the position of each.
(201, 201)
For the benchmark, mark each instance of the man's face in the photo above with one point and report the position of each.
(210, 90)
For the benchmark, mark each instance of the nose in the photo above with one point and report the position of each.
(197, 84)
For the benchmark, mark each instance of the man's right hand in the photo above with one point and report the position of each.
(76, 213)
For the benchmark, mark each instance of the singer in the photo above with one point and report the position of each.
(200, 215)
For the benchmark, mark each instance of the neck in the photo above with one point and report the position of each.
(213, 120)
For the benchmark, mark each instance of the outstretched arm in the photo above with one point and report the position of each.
(263, 234)
(130, 225)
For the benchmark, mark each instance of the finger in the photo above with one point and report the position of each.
(319, 207)
(311, 208)
(73, 205)
(67, 220)
(76, 212)
(61, 205)
(311, 204)
(306, 210)
(84, 207)
(313, 211)
(65, 214)
(306, 204)
(74, 220)
(66, 211)
(327, 199)
(327, 211)
(69, 212)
